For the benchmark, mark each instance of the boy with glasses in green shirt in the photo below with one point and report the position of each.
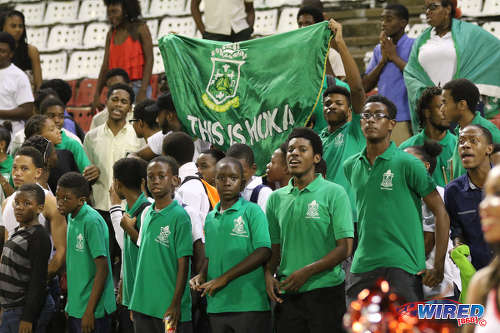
(237, 247)
(91, 297)
(161, 288)
(311, 228)
(389, 184)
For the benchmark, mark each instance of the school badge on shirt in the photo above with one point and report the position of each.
(387, 180)
(162, 237)
(312, 210)
(80, 245)
(239, 228)
(339, 140)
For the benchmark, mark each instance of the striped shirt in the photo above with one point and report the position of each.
(23, 271)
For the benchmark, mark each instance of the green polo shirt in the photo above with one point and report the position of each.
(338, 146)
(458, 169)
(318, 110)
(388, 197)
(67, 143)
(165, 237)
(231, 237)
(443, 165)
(87, 239)
(6, 167)
(130, 253)
(307, 224)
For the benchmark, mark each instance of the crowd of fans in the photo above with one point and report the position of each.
(136, 226)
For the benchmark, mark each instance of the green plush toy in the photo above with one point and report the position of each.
(459, 256)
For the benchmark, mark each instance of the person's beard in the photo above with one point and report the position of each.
(439, 127)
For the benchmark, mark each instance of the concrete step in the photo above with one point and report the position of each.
(360, 41)
(366, 13)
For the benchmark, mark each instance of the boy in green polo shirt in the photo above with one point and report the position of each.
(237, 246)
(161, 288)
(310, 224)
(460, 98)
(129, 175)
(91, 297)
(389, 184)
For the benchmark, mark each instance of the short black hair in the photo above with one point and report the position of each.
(34, 125)
(42, 94)
(117, 72)
(35, 155)
(166, 102)
(142, 112)
(496, 148)
(241, 151)
(430, 150)
(41, 144)
(485, 132)
(424, 102)
(48, 102)
(6, 38)
(446, 3)
(234, 161)
(391, 108)
(215, 153)
(309, 134)
(61, 87)
(313, 11)
(76, 183)
(6, 132)
(130, 172)
(400, 10)
(131, 8)
(180, 146)
(169, 160)
(122, 86)
(338, 90)
(34, 189)
(463, 89)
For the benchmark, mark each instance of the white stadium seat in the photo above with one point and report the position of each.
(470, 7)
(167, 7)
(85, 64)
(184, 26)
(95, 35)
(144, 7)
(288, 20)
(53, 65)
(158, 66)
(493, 28)
(265, 22)
(33, 12)
(491, 8)
(61, 12)
(279, 3)
(65, 37)
(38, 37)
(92, 10)
(153, 29)
(417, 29)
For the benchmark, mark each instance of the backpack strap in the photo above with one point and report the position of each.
(255, 193)
(188, 178)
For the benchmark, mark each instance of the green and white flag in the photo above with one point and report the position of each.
(253, 92)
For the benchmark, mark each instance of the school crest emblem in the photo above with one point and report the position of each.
(239, 228)
(339, 140)
(387, 180)
(312, 210)
(221, 92)
(162, 237)
(80, 245)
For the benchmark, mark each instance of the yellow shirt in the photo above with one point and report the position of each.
(104, 149)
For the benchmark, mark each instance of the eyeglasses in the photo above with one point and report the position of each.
(432, 7)
(376, 115)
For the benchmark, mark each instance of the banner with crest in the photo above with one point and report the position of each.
(253, 92)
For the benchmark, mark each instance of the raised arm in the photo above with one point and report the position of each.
(351, 69)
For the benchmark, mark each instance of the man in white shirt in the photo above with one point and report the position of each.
(16, 97)
(255, 191)
(169, 122)
(225, 20)
(109, 142)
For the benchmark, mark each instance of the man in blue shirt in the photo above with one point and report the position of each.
(463, 195)
(385, 69)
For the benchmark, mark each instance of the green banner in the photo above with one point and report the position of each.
(253, 92)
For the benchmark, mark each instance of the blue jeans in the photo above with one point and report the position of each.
(48, 310)
(101, 325)
(136, 85)
(10, 320)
